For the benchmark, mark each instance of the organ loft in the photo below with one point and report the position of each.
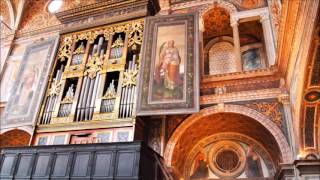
(160, 89)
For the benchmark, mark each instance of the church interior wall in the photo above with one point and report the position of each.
(264, 74)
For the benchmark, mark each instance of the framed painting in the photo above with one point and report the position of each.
(30, 83)
(169, 75)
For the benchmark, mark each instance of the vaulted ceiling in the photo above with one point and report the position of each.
(220, 123)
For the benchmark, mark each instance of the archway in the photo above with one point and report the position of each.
(14, 137)
(269, 168)
(222, 119)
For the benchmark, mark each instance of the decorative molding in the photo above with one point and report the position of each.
(107, 7)
(284, 99)
(264, 12)
(95, 124)
(240, 96)
(239, 75)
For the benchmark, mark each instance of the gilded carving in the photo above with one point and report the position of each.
(134, 29)
(118, 43)
(65, 49)
(55, 88)
(111, 92)
(93, 67)
(135, 35)
(130, 78)
(79, 50)
(269, 109)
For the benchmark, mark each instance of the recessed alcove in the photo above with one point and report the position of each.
(234, 43)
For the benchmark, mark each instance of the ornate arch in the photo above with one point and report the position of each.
(15, 137)
(229, 7)
(229, 136)
(286, 152)
(27, 129)
(217, 39)
(218, 3)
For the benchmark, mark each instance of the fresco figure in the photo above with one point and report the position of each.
(168, 66)
(25, 91)
(253, 164)
(200, 167)
(251, 60)
(167, 77)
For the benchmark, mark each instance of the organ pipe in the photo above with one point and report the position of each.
(53, 93)
(96, 62)
(90, 85)
(128, 90)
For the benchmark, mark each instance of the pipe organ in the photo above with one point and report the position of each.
(94, 77)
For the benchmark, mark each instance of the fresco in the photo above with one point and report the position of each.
(9, 76)
(168, 80)
(251, 59)
(29, 85)
(227, 159)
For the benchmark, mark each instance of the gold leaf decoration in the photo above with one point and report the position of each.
(79, 50)
(270, 109)
(130, 78)
(111, 91)
(55, 88)
(118, 43)
(93, 66)
(65, 49)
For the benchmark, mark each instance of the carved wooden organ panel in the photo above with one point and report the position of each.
(95, 75)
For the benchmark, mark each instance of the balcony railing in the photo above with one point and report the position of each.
(130, 160)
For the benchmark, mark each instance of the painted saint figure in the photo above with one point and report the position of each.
(200, 169)
(25, 91)
(253, 165)
(168, 66)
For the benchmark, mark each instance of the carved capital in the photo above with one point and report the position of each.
(284, 99)
(201, 25)
(264, 17)
(220, 106)
(234, 21)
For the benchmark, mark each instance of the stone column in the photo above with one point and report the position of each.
(268, 38)
(236, 43)
(285, 101)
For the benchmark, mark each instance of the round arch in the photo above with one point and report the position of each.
(217, 39)
(14, 137)
(229, 136)
(229, 7)
(282, 143)
(27, 129)
(216, 3)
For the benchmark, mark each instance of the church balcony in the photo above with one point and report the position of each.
(129, 160)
